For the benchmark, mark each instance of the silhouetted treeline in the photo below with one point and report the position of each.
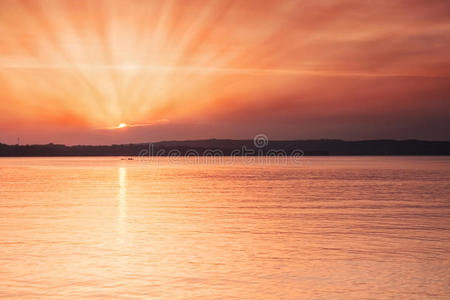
(237, 147)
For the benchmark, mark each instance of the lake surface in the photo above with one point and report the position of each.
(320, 228)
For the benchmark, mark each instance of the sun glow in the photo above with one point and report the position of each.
(219, 68)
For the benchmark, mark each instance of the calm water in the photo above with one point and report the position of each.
(330, 228)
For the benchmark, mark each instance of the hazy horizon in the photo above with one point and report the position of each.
(23, 143)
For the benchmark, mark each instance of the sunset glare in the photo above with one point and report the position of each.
(293, 69)
(224, 149)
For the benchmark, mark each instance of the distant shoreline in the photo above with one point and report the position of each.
(227, 147)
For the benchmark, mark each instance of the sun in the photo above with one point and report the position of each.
(122, 125)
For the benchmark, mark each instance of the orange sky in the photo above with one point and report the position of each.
(70, 71)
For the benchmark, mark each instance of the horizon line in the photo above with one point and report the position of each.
(235, 140)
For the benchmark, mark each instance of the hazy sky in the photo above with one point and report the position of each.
(72, 71)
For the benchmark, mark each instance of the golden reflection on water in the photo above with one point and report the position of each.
(122, 204)
(347, 227)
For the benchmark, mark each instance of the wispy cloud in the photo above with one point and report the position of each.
(95, 64)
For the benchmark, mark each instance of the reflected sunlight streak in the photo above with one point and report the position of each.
(122, 204)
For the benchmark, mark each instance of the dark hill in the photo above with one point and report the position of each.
(237, 147)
